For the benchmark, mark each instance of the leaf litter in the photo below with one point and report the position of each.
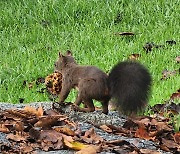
(32, 128)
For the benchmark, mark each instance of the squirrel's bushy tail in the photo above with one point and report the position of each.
(129, 84)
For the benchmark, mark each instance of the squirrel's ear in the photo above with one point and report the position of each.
(68, 53)
(60, 55)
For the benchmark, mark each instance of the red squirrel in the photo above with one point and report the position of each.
(128, 83)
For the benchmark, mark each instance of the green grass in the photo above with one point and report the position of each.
(32, 32)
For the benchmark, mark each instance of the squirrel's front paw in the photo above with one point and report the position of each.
(57, 105)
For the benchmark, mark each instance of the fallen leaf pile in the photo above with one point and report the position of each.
(30, 129)
(167, 108)
(155, 129)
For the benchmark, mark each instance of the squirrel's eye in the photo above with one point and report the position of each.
(55, 64)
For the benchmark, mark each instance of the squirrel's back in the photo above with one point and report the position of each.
(129, 84)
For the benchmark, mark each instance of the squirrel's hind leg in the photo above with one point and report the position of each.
(105, 106)
(89, 106)
(78, 100)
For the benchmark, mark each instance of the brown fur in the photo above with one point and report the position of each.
(90, 81)
(128, 82)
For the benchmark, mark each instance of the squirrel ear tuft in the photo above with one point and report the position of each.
(68, 53)
(60, 54)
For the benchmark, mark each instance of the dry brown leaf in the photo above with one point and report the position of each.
(130, 125)
(177, 137)
(74, 145)
(34, 133)
(4, 129)
(47, 121)
(66, 130)
(156, 133)
(145, 121)
(117, 142)
(134, 56)
(16, 137)
(33, 111)
(70, 123)
(30, 109)
(69, 142)
(19, 126)
(20, 113)
(90, 149)
(170, 144)
(40, 111)
(125, 33)
(106, 128)
(164, 147)
(51, 139)
(90, 136)
(167, 108)
(27, 149)
(167, 74)
(148, 151)
(142, 133)
(67, 138)
(33, 120)
(118, 130)
(154, 121)
(10, 126)
(133, 152)
(120, 146)
(175, 95)
(163, 126)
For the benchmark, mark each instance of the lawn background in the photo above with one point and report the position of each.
(33, 31)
